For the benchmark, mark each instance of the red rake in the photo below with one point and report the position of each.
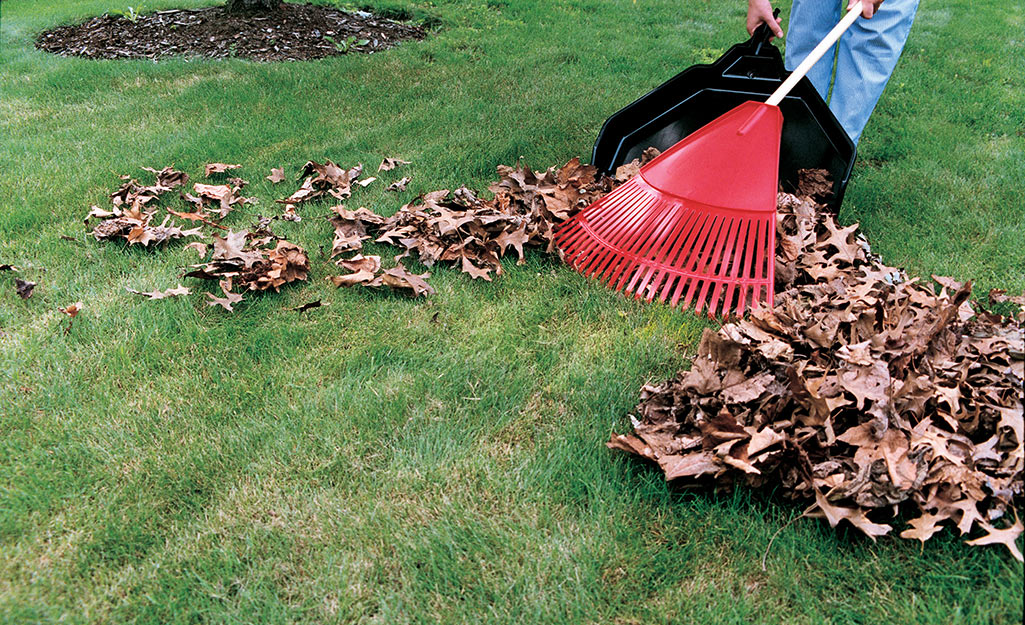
(698, 223)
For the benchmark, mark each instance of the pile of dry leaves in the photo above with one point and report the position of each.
(456, 227)
(134, 206)
(460, 228)
(862, 391)
(254, 260)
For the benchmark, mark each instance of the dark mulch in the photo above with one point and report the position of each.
(295, 32)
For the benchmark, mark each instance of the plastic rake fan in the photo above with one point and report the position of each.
(697, 225)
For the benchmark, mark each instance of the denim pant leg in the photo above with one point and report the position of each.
(867, 55)
(810, 20)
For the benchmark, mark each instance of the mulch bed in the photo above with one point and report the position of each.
(295, 32)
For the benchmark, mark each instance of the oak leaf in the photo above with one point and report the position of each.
(389, 164)
(277, 174)
(218, 168)
(24, 288)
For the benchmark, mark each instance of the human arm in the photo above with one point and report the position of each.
(760, 11)
(868, 7)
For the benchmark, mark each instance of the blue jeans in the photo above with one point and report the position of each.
(865, 56)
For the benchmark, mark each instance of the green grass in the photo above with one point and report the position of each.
(384, 460)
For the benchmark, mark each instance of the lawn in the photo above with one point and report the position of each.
(389, 460)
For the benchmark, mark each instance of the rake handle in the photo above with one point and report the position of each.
(813, 57)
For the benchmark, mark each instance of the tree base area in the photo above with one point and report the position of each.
(294, 32)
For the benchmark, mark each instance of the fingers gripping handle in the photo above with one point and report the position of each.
(763, 33)
(813, 57)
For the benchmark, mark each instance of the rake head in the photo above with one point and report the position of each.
(697, 225)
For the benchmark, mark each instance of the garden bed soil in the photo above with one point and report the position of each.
(294, 32)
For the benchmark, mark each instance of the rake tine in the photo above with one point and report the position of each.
(719, 246)
(722, 258)
(636, 203)
(739, 260)
(700, 262)
(668, 213)
(628, 244)
(671, 244)
(678, 257)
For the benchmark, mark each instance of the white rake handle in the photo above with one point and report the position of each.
(813, 57)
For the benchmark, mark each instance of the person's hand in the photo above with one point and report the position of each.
(759, 11)
(868, 8)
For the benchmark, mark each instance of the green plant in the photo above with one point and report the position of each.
(347, 43)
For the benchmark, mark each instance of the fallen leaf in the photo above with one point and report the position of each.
(71, 311)
(399, 185)
(218, 168)
(174, 292)
(400, 279)
(228, 301)
(277, 174)
(1007, 537)
(24, 288)
(201, 248)
(389, 164)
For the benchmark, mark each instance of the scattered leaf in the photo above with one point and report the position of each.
(277, 175)
(175, 292)
(201, 248)
(71, 311)
(389, 164)
(399, 185)
(24, 288)
(218, 168)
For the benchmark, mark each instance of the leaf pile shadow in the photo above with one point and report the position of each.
(861, 391)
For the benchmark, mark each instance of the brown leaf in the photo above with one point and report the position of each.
(277, 174)
(400, 279)
(228, 301)
(233, 248)
(351, 228)
(72, 310)
(175, 292)
(201, 248)
(1007, 537)
(24, 288)
(517, 238)
(289, 213)
(217, 168)
(389, 164)
(362, 276)
(815, 184)
(362, 263)
(854, 516)
(169, 177)
(474, 270)
(399, 185)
